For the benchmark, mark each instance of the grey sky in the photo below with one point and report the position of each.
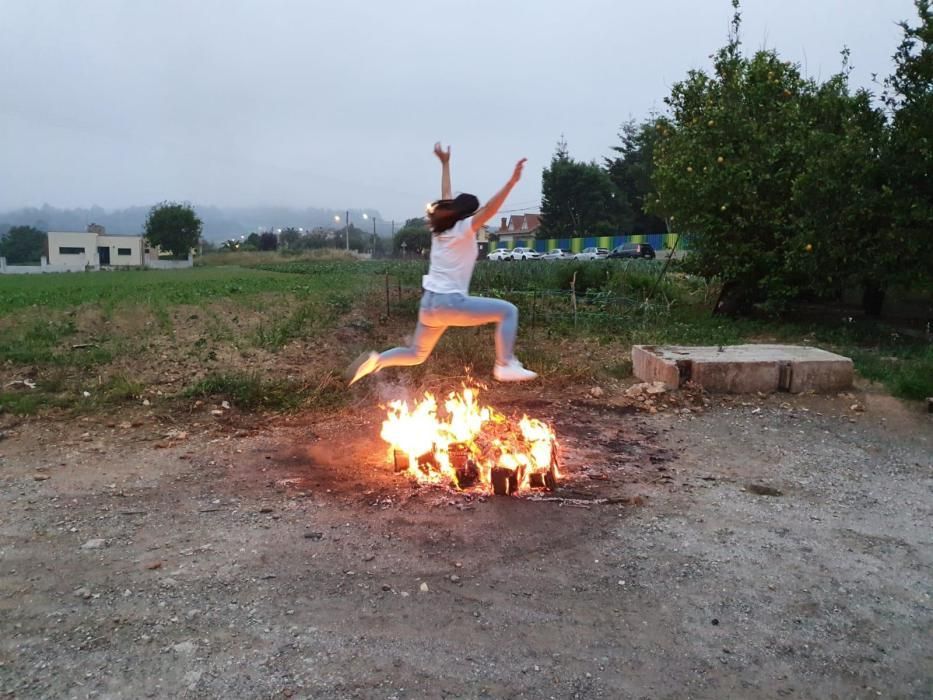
(338, 103)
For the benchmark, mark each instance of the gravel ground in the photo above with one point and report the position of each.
(767, 548)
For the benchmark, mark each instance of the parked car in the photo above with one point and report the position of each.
(525, 254)
(633, 250)
(558, 254)
(593, 254)
(500, 254)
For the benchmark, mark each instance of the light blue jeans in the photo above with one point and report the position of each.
(440, 311)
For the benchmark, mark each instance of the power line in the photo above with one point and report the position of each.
(510, 211)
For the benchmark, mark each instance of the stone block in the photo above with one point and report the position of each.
(740, 369)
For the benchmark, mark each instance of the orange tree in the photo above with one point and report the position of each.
(791, 188)
(865, 196)
(725, 166)
(909, 153)
(842, 202)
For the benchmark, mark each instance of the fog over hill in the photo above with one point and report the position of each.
(220, 223)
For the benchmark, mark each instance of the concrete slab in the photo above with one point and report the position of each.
(741, 369)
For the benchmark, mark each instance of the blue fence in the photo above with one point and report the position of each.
(658, 241)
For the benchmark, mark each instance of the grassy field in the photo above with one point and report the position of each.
(277, 335)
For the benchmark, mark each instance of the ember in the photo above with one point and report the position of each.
(469, 446)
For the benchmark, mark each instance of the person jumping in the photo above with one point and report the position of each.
(446, 301)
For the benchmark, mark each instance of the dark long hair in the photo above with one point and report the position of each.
(444, 213)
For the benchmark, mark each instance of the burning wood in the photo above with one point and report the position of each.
(470, 446)
(505, 481)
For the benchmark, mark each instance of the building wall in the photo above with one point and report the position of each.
(133, 244)
(87, 242)
(156, 264)
(41, 268)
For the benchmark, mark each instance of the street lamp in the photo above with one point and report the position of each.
(347, 227)
(367, 216)
(337, 220)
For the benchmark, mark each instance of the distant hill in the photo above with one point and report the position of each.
(220, 223)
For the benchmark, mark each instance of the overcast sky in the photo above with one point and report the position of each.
(337, 103)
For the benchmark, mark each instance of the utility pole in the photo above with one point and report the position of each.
(348, 229)
(374, 237)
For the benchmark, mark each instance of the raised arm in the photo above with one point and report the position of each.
(444, 157)
(488, 210)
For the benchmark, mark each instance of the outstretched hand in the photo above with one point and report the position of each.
(517, 173)
(442, 155)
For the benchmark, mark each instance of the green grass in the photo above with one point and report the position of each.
(27, 403)
(908, 375)
(38, 342)
(226, 321)
(57, 391)
(251, 391)
(166, 287)
(253, 258)
(121, 388)
(308, 319)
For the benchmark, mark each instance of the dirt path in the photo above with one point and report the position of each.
(769, 550)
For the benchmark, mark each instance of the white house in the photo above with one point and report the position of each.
(79, 250)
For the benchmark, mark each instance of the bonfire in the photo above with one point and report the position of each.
(465, 445)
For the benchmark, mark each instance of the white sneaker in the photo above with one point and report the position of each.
(367, 363)
(513, 372)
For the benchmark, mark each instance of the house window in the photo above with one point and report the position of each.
(66, 250)
(124, 251)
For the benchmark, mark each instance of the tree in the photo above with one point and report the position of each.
(23, 244)
(380, 246)
(173, 227)
(841, 200)
(580, 199)
(909, 155)
(252, 241)
(415, 235)
(791, 188)
(318, 238)
(360, 239)
(290, 238)
(725, 166)
(631, 173)
(268, 241)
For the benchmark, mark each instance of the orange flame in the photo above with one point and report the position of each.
(467, 441)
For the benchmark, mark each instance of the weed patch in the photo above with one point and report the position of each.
(250, 391)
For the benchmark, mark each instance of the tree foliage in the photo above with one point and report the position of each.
(290, 238)
(631, 171)
(909, 156)
(268, 241)
(173, 227)
(840, 200)
(415, 235)
(580, 199)
(23, 244)
(789, 187)
(726, 163)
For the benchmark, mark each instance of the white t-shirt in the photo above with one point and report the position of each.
(453, 256)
